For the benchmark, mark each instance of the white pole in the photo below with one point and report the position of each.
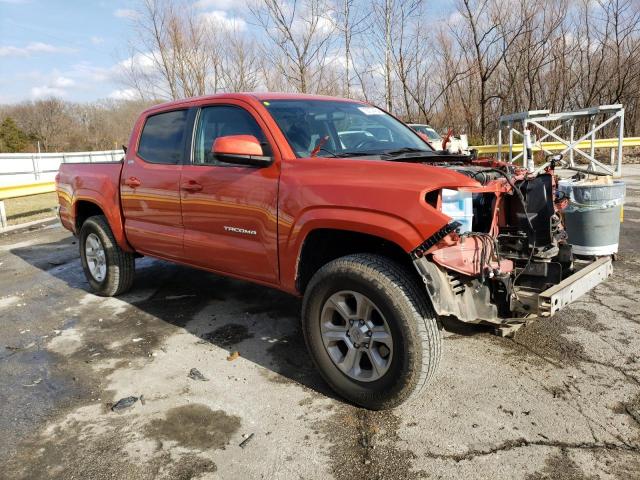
(3, 216)
(527, 157)
(620, 140)
(37, 163)
(571, 131)
(510, 142)
(592, 125)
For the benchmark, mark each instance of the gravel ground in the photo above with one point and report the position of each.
(561, 400)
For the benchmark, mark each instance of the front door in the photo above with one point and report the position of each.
(229, 212)
(150, 186)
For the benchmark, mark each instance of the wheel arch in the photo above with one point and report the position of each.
(88, 204)
(299, 240)
(322, 245)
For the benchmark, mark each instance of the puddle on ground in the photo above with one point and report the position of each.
(228, 335)
(100, 452)
(560, 467)
(195, 426)
(33, 387)
(364, 444)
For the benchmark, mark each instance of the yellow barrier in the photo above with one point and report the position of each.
(555, 146)
(26, 190)
(49, 187)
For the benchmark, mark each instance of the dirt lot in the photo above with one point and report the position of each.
(560, 401)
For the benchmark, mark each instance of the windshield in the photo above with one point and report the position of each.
(327, 128)
(428, 131)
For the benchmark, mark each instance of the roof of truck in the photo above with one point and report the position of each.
(259, 96)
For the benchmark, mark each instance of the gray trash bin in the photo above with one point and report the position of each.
(592, 219)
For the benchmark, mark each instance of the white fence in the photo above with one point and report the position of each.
(25, 168)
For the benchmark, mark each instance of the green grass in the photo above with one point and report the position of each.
(27, 209)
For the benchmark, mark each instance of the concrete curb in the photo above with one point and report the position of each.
(21, 226)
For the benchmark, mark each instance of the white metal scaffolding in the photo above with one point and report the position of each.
(552, 125)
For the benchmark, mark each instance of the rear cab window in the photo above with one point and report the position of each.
(162, 138)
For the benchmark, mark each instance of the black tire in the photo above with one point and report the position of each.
(403, 301)
(120, 265)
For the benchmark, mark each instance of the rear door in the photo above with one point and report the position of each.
(229, 211)
(150, 186)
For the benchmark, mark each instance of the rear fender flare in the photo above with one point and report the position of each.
(110, 206)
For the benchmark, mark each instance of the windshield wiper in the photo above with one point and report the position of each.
(357, 154)
(402, 151)
(383, 153)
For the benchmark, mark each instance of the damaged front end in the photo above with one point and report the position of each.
(504, 257)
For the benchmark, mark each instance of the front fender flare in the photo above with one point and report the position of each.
(389, 227)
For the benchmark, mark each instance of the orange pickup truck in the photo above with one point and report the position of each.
(337, 201)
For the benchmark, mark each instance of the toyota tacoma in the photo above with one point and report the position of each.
(338, 202)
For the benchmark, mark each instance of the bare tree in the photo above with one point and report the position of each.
(301, 33)
(487, 58)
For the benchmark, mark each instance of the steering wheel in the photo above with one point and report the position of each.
(364, 143)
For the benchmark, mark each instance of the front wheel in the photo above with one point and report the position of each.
(370, 330)
(109, 269)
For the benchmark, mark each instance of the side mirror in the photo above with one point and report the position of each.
(241, 150)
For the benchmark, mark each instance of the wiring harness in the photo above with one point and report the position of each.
(488, 253)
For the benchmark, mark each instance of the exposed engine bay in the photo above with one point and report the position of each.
(505, 256)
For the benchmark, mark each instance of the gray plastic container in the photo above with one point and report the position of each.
(592, 219)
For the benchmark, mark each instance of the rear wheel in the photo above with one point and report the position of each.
(370, 330)
(109, 269)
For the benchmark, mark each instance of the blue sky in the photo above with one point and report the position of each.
(62, 48)
(71, 48)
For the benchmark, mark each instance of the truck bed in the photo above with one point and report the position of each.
(98, 182)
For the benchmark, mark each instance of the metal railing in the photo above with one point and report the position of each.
(25, 174)
(561, 127)
(40, 180)
(610, 144)
(26, 168)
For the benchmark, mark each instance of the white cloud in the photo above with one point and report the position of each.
(47, 91)
(62, 82)
(57, 87)
(140, 62)
(96, 40)
(220, 4)
(125, 13)
(32, 48)
(336, 58)
(87, 72)
(455, 18)
(221, 19)
(124, 94)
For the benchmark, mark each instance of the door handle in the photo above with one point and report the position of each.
(132, 182)
(192, 186)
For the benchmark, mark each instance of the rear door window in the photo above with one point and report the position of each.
(162, 139)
